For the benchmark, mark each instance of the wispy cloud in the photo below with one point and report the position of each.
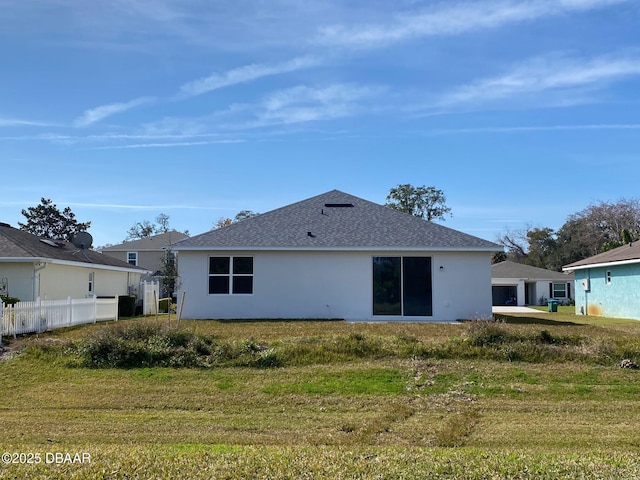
(245, 74)
(166, 144)
(536, 128)
(100, 113)
(545, 74)
(15, 122)
(305, 104)
(290, 106)
(452, 19)
(122, 206)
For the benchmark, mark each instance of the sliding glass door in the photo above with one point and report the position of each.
(402, 286)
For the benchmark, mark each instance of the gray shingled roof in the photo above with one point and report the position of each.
(154, 243)
(510, 269)
(626, 253)
(316, 224)
(17, 244)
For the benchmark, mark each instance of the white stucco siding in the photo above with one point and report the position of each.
(57, 282)
(19, 278)
(323, 284)
(462, 289)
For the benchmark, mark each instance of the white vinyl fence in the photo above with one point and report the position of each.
(150, 297)
(41, 315)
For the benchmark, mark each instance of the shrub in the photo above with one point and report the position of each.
(486, 333)
(143, 345)
(7, 300)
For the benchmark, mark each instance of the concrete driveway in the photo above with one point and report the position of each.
(515, 310)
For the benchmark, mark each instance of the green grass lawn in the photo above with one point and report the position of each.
(539, 396)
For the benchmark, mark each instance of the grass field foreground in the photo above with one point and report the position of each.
(334, 400)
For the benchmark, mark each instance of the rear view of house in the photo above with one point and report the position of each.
(336, 256)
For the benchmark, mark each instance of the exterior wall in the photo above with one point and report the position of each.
(20, 278)
(28, 281)
(151, 260)
(57, 282)
(290, 284)
(616, 299)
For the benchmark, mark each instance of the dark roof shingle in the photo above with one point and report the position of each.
(17, 244)
(509, 269)
(336, 220)
(625, 253)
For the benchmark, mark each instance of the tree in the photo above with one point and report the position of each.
(146, 229)
(47, 221)
(499, 257)
(542, 249)
(515, 242)
(243, 215)
(162, 222)
(222, 222)
(143, 229)
(169, 270)
(599, 227)
(226, 221)
(424, 202)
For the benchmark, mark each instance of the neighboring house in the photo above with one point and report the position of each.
(514, 283)
(31, 267)
(607, 284)
(147, 253)
(336, 256)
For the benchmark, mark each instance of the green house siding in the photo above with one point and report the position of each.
(612, 291)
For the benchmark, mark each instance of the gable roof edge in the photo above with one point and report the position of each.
(570, 268)
(333, 249)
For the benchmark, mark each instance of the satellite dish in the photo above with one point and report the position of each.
(82, 240)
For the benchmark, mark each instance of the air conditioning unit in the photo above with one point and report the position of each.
(585, 284)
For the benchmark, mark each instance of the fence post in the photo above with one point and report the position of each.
(12, 319)
(69, 310)
(39, 316)
(117, 306)
(95, 308)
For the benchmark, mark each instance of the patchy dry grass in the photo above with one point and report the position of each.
(378, 401)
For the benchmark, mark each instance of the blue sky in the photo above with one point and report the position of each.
(522, 111)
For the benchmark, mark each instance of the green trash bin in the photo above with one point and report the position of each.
(552, 305)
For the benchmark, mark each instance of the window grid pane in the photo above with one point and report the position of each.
(219, 265)
(231, 275)
(243, 285)
(218, 284)
(243, 265)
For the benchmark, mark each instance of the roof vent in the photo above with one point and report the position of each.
(338, 205)
(52, 243)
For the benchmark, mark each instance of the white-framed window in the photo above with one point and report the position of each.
(91, 282)
(608, 277)
(559, 290)
(132, 258)
(230, 275)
